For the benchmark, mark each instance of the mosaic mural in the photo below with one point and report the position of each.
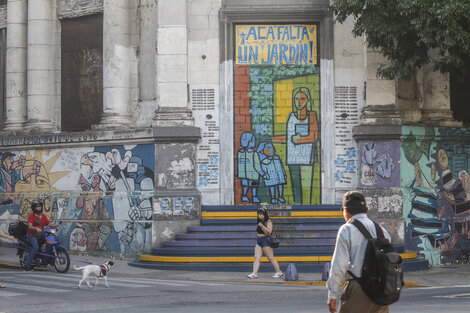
(276, 114)
(436, 189)
(101, 197)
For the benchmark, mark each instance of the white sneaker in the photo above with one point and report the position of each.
(278, 274)
(252, 276)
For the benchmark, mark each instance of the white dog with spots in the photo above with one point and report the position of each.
(96, 270)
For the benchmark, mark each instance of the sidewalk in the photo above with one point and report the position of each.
(436, 276)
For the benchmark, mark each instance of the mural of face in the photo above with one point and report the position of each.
(443, 159)
(8, 163)
(301, 102)
(116, 156)
(269, 150)
(36, 182)
(465, 178)
(247, 140)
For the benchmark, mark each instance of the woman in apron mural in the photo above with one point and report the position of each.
(302, 135)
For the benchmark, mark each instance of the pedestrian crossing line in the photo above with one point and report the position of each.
(152, 280)
(117, 282)
(138, 282)
(74, 278)
(4, 293)
(37, 288)
(38, 283)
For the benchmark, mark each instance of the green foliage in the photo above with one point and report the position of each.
(411, 149)
(407, 30)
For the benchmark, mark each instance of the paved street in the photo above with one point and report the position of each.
(52, 292)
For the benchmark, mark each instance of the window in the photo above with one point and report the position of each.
(460, 99)
(82, 72)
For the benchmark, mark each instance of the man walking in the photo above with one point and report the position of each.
(349, 258)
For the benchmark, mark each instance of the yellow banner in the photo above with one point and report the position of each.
(276, 44)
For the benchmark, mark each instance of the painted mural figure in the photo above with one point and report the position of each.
(249, 166)
(302, 135)
(125, 174)
(13, 171)
(93, 208)
(275, 176)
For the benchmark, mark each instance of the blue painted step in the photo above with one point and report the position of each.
(245, 251)
(252, 228)
(253, 208)
(237, 237)
(302, 267)
(249, 221)
(238, 251)
(251, 235)
(247, 243)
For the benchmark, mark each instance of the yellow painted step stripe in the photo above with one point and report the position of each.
(297, 214)
(244, 259)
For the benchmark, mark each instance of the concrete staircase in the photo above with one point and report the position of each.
(226, 238)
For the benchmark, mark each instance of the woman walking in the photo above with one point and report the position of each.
(264, 230)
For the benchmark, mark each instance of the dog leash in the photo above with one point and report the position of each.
(45, 254)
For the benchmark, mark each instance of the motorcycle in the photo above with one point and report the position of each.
(59, 256)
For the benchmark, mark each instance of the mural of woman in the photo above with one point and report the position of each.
(301, 139)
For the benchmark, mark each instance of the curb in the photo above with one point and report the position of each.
(9, 265)
(407, 283)
(18, 267)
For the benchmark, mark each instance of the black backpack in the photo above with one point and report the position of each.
(382, 272)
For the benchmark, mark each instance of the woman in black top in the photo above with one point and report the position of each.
(264, 230)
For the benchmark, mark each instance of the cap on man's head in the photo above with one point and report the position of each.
(6, 155)
(355, 202)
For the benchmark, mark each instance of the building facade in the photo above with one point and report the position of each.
(125, 116)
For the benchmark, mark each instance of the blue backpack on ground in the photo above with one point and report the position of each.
(291, 273)
(326, 271)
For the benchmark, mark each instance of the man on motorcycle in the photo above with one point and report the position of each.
(36, 223)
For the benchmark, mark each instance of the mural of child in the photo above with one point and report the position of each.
(275, 176)
(301, 139)
(249, 166)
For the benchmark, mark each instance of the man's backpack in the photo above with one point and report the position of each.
(382, 272)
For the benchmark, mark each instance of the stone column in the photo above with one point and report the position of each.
(436, 105)
(147, 60)
(17, 17)
(40, 66)
(381, 107)
(172, 65)
(116, 65)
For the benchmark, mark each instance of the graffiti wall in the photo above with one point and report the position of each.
(379, 164)
(101, 196)
(436, 192)
(276, 114)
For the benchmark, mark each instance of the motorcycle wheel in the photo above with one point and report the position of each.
(22, 256)
(62, 261)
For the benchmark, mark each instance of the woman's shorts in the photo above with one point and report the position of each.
(263, 242)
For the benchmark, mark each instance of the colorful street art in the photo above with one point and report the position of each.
(102, 197)
(436, 190)
(378, 162)
(277, 122)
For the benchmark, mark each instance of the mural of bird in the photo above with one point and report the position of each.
(98, 164)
